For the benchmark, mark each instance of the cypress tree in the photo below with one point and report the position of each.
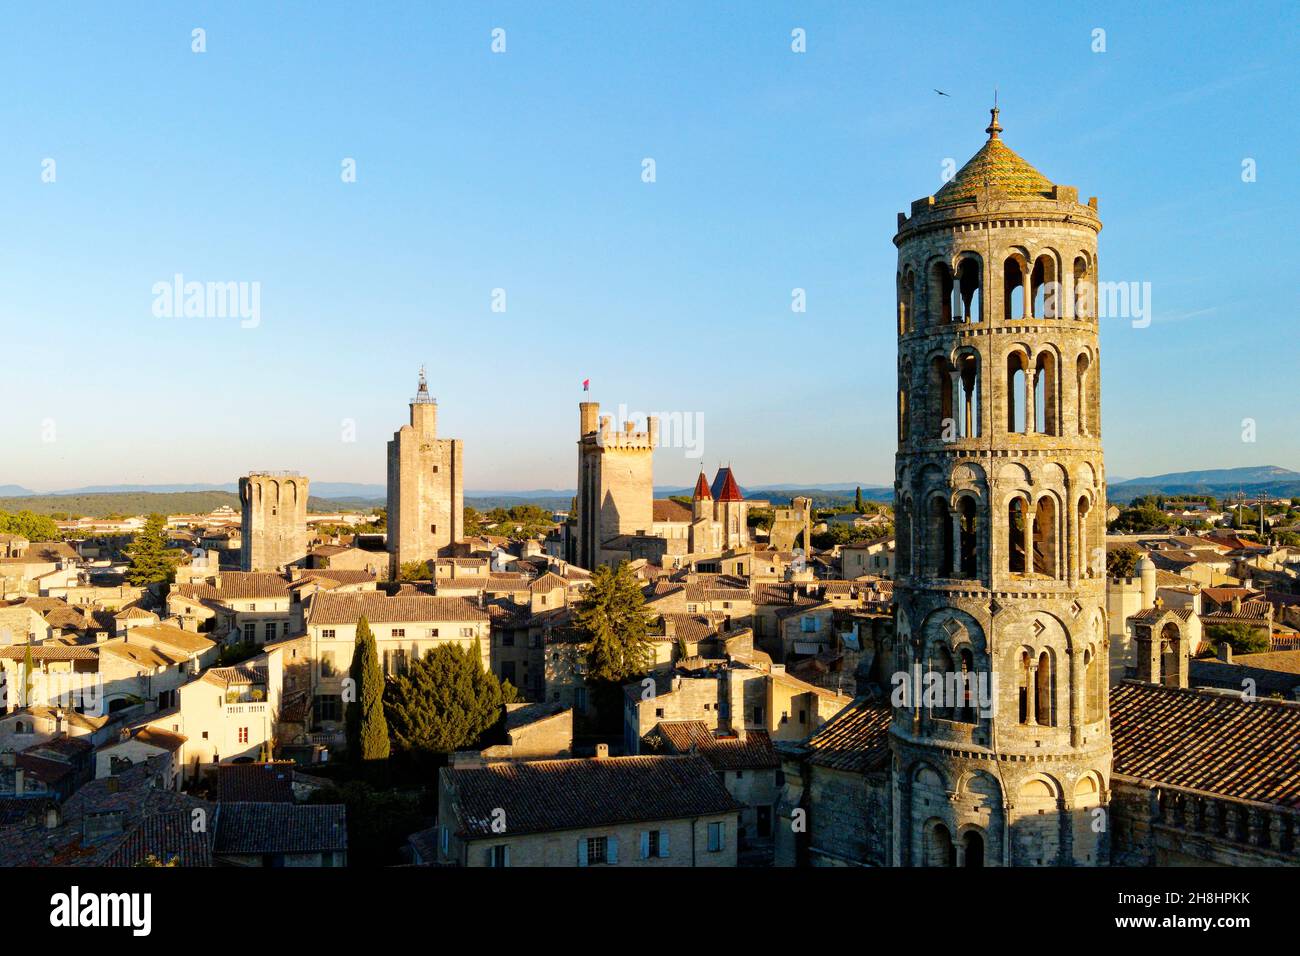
(858, 505)
(367, 728)
(150, 561)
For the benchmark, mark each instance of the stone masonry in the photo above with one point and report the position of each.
(1000, 504)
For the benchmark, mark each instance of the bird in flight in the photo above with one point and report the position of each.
(941, 92)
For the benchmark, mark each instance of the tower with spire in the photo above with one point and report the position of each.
(426, 496)
(1001, 740)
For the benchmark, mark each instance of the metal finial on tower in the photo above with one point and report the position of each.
(422, 396)
(994, 128)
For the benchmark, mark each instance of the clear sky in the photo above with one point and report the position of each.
(522, 171)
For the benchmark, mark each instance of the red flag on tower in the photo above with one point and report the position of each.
(586, 385)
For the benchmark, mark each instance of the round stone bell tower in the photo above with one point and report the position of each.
(1000, 733)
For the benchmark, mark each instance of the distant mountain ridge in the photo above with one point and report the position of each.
(1219, 482)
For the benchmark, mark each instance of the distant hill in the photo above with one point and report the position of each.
(1219, 482)
(14, 491)
(99, 505)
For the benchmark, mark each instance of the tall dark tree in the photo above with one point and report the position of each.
(858, 504)
(367, 728)
(149, 560)
(613, 623)
(445, 701)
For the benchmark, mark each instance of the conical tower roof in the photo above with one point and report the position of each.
(725, 487)
(997, 167)
(701, 488)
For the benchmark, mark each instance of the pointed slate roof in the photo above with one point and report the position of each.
(1000, 168)
(725, 487)
(701, 488)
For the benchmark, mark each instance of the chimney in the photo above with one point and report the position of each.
(1236, 604)
(1225, 652)
(19, 785)
(52, 818)
(602, 751)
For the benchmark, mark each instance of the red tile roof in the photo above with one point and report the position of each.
(725, 487)
(544, 795)
(701, 488)
(1216, 743)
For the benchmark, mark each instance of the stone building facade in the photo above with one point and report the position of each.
(615, 483)
(274, 520)
(1000, 504)
(426, 490)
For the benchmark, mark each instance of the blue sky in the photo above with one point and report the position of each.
(522, 171)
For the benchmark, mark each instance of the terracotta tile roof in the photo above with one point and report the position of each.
(855, 740)
(693, 627)
(1249, 611)
(1156, 613)
(167, 837)
(723, 753)
(544, 795)
(665, 509)
(245, 673)
(50, 652)
(548, 582)
(157, 737)
(148, 656)
(238, 586)
(1274, 672)
(170, 636)
(328, 577)
(255, 783)
(378, 608)
(281, 828)
(701, 488)
(1216, 743)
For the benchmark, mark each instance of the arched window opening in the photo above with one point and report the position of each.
(1013, 288)
(1084, 561)
(1026, 700)
(969, 297)
(1081, 391)
(940, 294)
(939, 849)
(903, 531)
(1045, 288)
(1093, 709)
(1017, 520)
(942, 389)
(967, 713)
(968, 396)
(941, 665)
(940, 538)
(973, 845)
(1045, 395)
(1084, 293)
(904, 313)
(1169, 650)
(1044, 705)
(902, 414)
(968, 545)
(1045, 537)
(1016, 366)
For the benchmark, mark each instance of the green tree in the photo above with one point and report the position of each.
(1122, 562)
(366, 727)
(613, 623)
(149, 560)
(1241, 637)
(29, 525)
(413, 571)
(858, 504)
(444, 702)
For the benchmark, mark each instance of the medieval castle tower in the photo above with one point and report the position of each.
(274, 520)
(615, 482)
(426, 493)
(1000, 507)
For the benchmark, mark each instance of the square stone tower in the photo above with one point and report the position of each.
(426, 492)
(1001, 739)
(274, 520)
(615, 481)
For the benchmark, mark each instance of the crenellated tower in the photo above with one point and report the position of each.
(1000, 517)
(615, 482)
